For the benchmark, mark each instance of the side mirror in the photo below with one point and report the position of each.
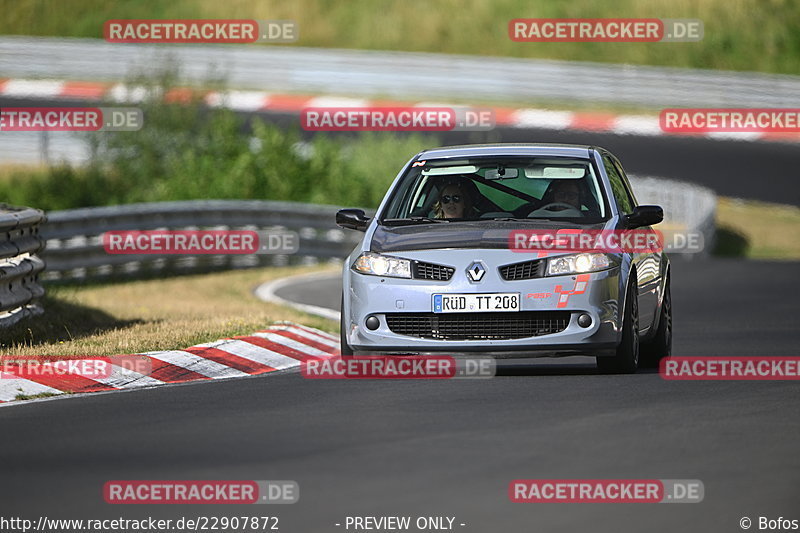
(352, 219)
(644, 215)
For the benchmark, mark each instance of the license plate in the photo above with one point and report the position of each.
(476, 303)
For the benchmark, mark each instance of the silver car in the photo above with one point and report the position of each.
(438, 270)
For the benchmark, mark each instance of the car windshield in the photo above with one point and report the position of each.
(510, 188)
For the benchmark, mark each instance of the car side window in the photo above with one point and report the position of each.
(625, 180)
(618, 188)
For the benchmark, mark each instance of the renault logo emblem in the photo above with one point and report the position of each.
(476, 271)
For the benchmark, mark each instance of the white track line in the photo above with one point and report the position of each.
(266, 292)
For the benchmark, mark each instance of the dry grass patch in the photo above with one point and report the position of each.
(149, 315)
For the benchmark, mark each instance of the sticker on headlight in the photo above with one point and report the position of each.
(476, 303)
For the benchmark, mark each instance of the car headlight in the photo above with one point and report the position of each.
(577, 264)
(382, 265)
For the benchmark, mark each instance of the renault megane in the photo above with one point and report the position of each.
(437, 270)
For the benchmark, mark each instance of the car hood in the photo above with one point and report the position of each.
(479, 234)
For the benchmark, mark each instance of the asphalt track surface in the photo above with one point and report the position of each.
(449, 448)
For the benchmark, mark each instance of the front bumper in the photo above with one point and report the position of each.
(378, 296)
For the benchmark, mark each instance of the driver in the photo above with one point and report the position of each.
(566, 192)
(455, 200)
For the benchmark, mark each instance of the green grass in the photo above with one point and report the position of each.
(22, 396)
(757, 230)
(756, 35)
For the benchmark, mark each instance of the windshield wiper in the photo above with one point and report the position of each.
(413, 220)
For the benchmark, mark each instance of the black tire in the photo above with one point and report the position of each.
(626, 360)
(345, 348)
(660, 346)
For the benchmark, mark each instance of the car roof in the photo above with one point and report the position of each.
(506, 149)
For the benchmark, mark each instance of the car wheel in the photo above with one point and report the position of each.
(626, 360)
(346, 351)
(660, 346)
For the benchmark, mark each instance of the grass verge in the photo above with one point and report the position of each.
(150, 315)
(757, 230)
(22, 396)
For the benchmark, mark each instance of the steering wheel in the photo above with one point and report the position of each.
(565, 209)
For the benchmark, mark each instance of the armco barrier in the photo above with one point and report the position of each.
(19, 265)
(686, 206)
(371, 73)
(75, 249)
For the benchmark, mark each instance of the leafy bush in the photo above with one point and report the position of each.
(188, 151)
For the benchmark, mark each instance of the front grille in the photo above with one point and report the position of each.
(422, 270)
(527, 270)
(478, 326)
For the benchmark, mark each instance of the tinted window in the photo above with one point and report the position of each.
(625, 181)
(624, 201)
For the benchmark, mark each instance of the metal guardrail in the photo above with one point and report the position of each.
(362, 73)
(19, 265)
(687, 207)
(75, 249)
